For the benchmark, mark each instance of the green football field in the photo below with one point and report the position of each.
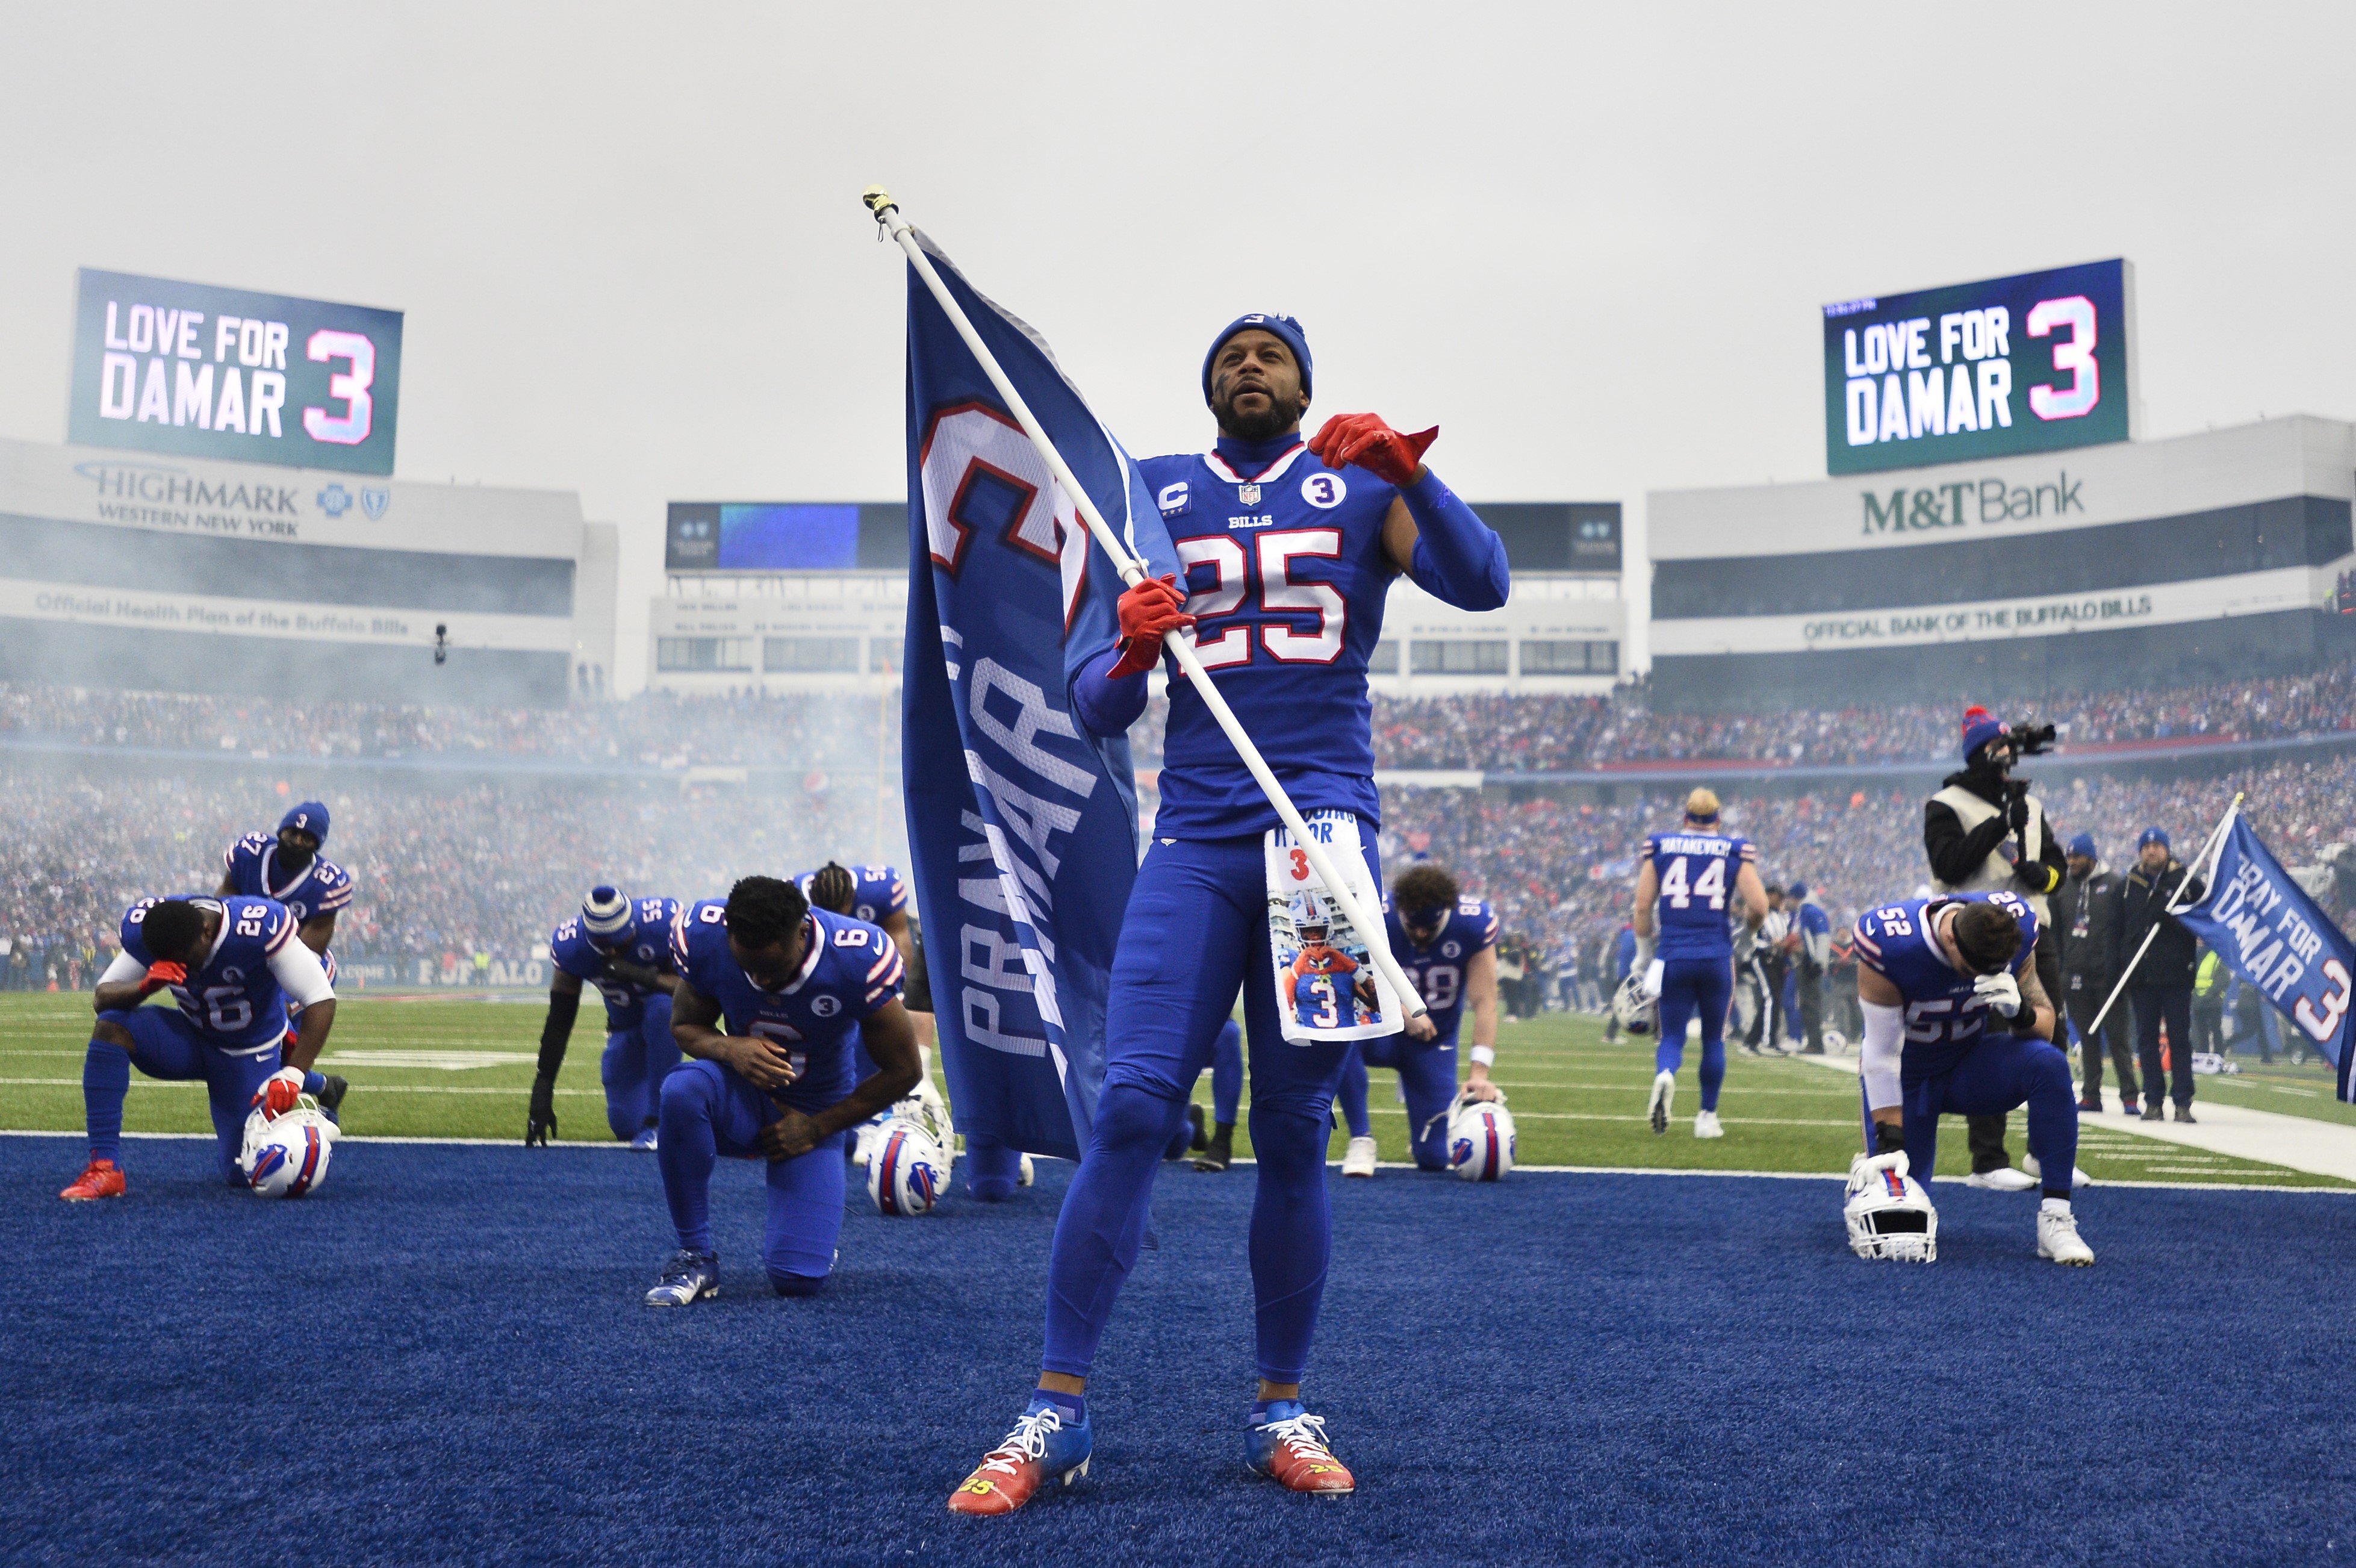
(441, 1068)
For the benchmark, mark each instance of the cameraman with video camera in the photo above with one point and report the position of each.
(1985, 832)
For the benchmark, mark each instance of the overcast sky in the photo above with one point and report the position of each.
(1588, 242)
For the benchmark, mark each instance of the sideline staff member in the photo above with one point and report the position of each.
(1985, 832)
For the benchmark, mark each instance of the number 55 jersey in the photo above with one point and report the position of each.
(850, 969)
(1696, 873)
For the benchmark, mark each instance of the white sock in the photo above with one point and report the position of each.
(2054, 1206)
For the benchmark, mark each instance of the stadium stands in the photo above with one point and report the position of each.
(463, 824)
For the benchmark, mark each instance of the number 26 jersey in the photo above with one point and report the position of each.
(1696, 873)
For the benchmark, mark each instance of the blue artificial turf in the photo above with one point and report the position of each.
(441, 1356)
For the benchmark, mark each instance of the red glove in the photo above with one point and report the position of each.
(1151, 606)
(279, 1090)
(160, 975)
(1365, 440)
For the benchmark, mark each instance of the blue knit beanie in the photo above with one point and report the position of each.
(1283, 328)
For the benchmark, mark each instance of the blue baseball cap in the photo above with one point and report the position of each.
(1283, 328)
(311, 816)
(2083, 847)
(1799, 890)
(2153, 836)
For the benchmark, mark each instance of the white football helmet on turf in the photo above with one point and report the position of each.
(1888, 1214)
(286, 1155)
(1480, 1140)
(908, 1171)
(1637, 1012)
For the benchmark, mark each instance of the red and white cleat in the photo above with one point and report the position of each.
(1290, 1447)
(102, 1179)
(1040, 1448)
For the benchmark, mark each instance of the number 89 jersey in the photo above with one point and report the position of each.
(1284, 572)
(1439, 968)
(1695, 873)
(1946, 1014)
(849, 969)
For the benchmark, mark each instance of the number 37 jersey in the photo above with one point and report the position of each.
(1695, 873)
(1285, 575)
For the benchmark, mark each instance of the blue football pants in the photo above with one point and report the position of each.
(634, 1067)
(2000, 1073)
(1196, 929)
(709, 1109)
(1427, 1072)
(165, 1044)
(1691, 987)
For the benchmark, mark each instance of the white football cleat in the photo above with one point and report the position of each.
(1358, 1159)
(2057, 1234)
(1664, 1089)
(1024, 1177)
(2007, 1179)
(2078, 1176)
(1706, 1125)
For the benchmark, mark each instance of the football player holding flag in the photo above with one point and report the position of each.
(1956, 1021)
(622, 946)
(793, 985)
(1448, 945)
(233, 965)
(1289, 548)
(315, 889)
(1684, 946)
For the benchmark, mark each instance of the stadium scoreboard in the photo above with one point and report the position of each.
(2035, 362)
(785, 536)
(223, 373)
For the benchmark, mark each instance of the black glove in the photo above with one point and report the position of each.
(1888, 1138)
(541, 1126)
(2018, 817)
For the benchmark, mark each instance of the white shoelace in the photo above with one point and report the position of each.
(1304, 1435)
(1027, 1441)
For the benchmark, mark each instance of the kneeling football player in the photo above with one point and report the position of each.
(232, 964)
(1957, 1022)
(622, 946)
(793, 985)
(1448, 945)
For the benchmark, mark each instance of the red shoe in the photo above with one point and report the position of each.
(102, 1179)
(1291, 1448)
(1041, 1447)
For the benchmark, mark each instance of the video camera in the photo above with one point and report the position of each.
(2034, 740)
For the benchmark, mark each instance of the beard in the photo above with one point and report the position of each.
(1273, 420)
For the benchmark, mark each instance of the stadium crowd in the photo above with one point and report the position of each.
(451, 862)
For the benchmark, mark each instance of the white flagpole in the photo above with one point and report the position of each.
(2213, 847)
(1378, 947)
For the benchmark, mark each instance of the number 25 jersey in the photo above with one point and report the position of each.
(1696, 873)
(1285, 575)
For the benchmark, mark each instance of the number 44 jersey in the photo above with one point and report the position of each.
(1695, 873)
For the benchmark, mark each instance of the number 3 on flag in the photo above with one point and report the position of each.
(1301, 866)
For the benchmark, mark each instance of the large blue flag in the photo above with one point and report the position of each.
(1022, 826)
(2264, 926)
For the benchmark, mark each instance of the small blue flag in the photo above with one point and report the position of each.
(2271, 933)
(1022, 826)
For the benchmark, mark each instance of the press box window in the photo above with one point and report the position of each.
(704, 654)
(1383, 660)
(1455, 658)
(810, 655)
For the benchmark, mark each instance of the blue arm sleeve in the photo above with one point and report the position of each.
(1106, 707)
(1458, 558)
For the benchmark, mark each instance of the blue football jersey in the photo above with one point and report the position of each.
(231, 998)
(646, 944)
(850, 969)
(1438, 970)
(878, 894)
(1945, 1016)
(322, 888)
(1286, 577)
(1696, 871)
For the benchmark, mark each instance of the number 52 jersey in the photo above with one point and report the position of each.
(1946, 1014)
(1696, 873)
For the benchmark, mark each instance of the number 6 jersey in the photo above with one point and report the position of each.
(849, 969)
(1696, 871)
